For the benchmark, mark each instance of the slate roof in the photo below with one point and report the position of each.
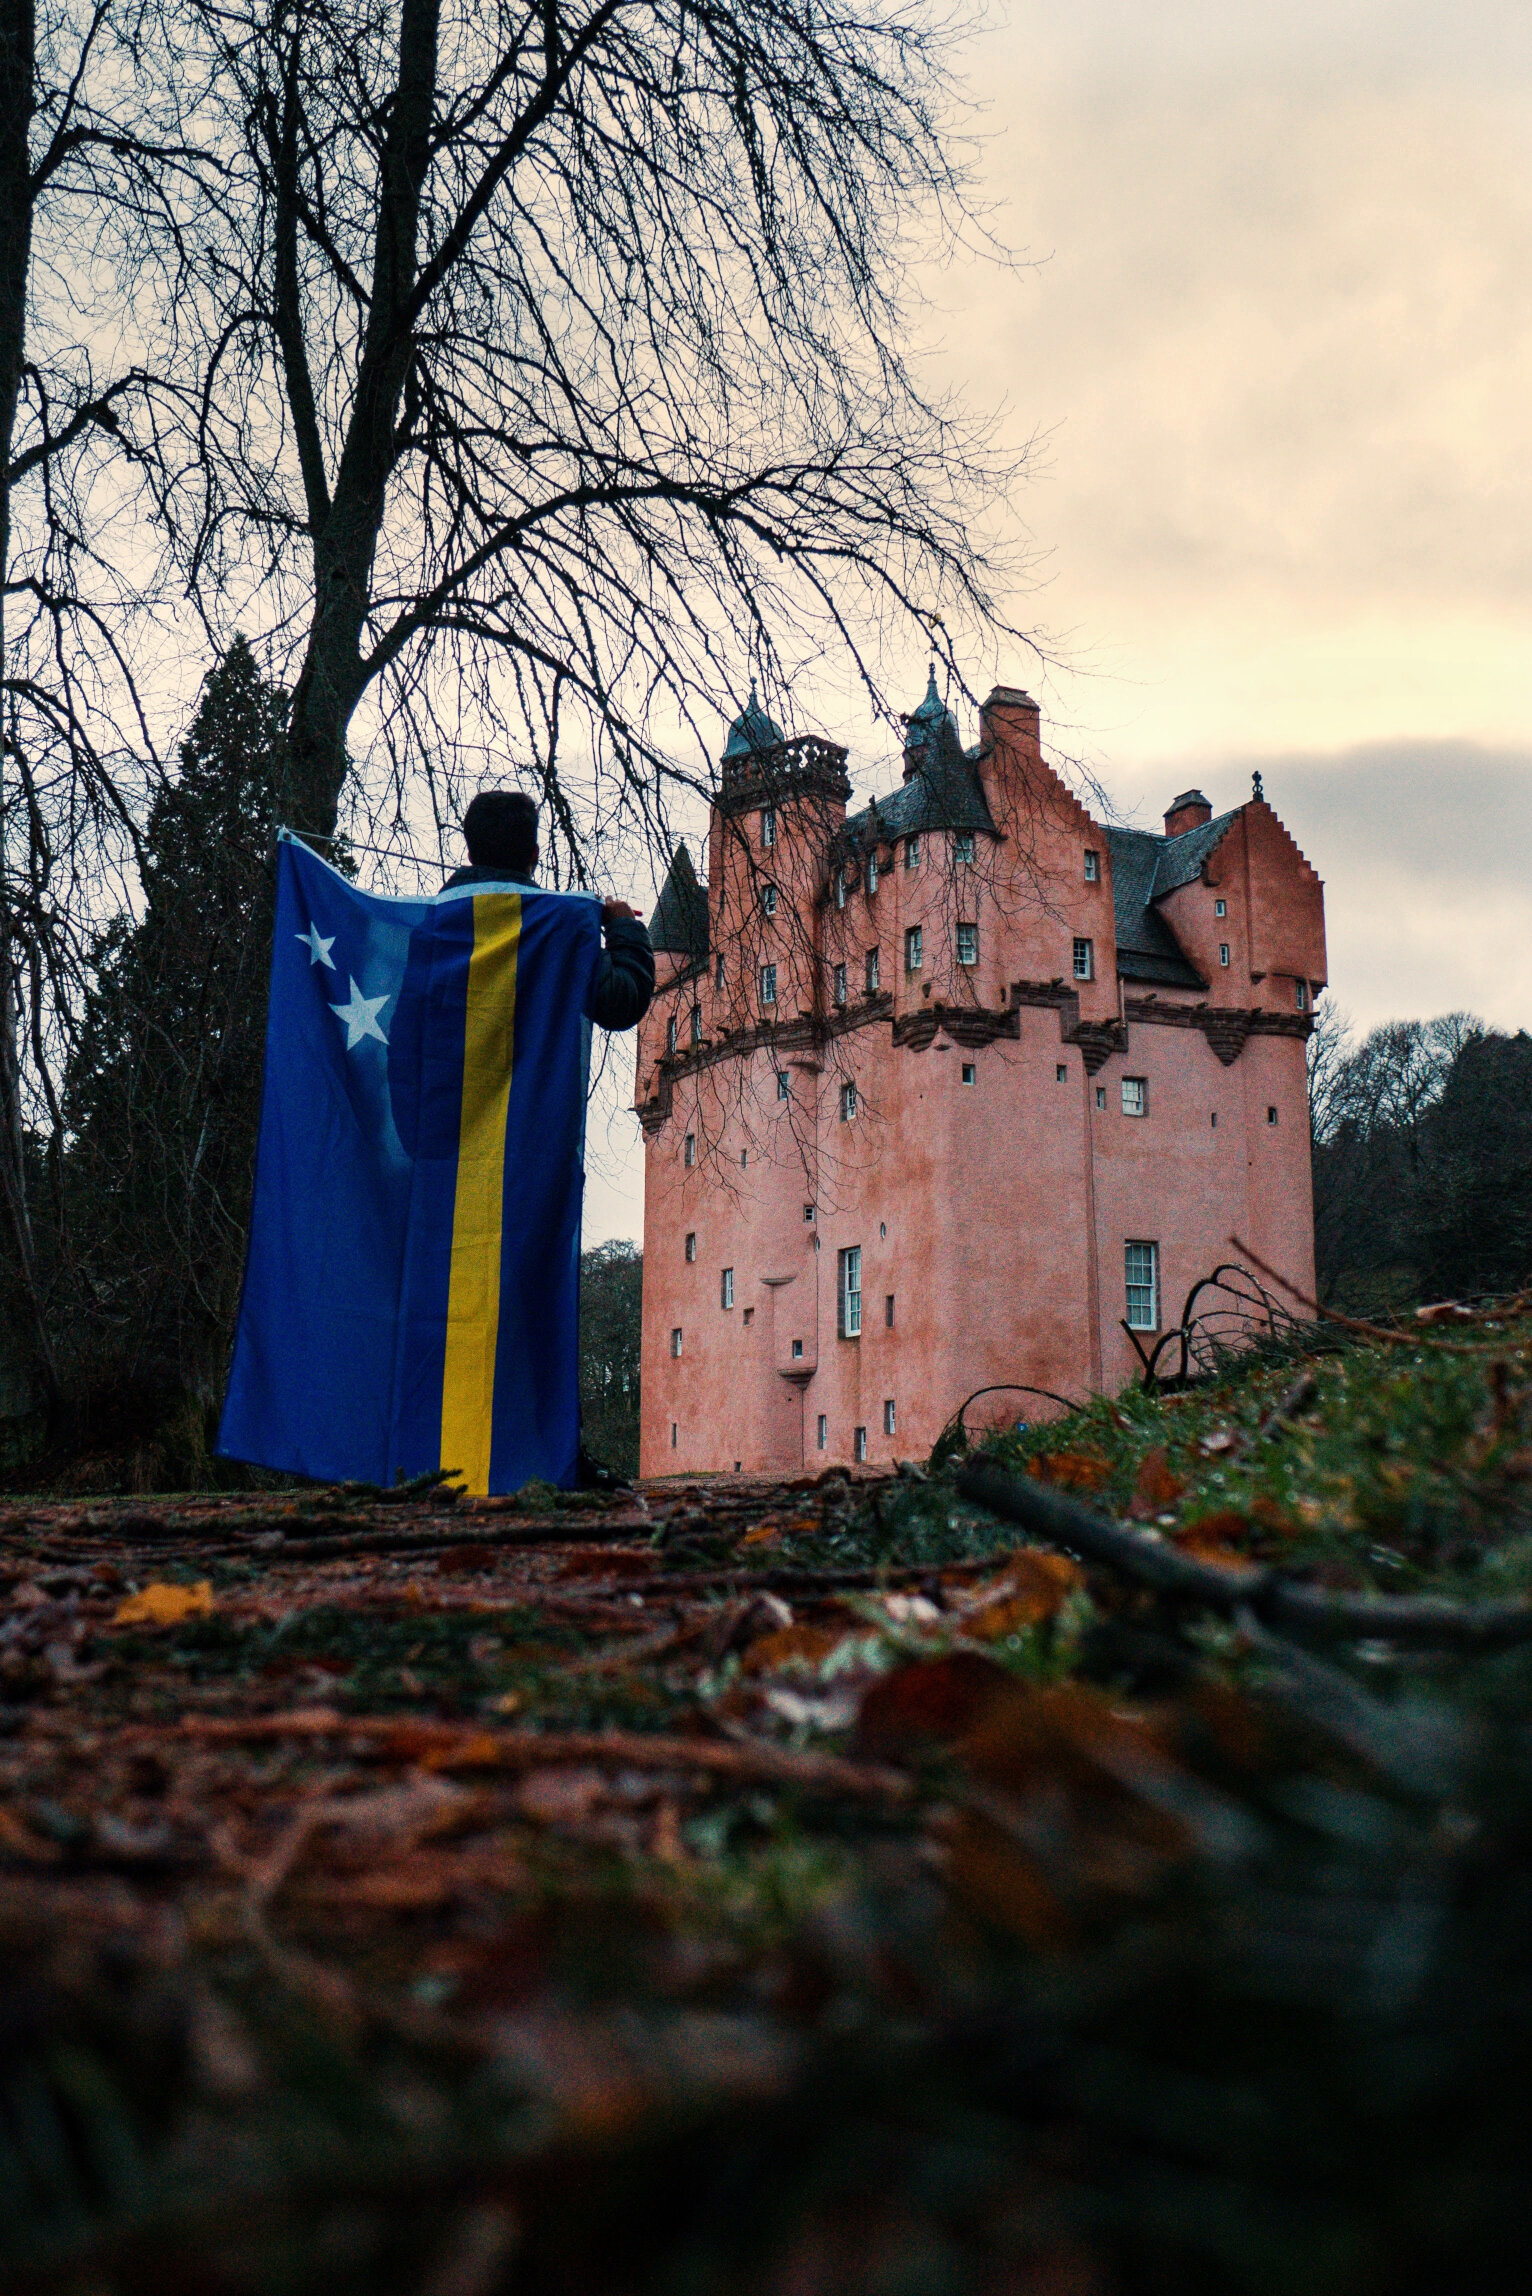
(752, 731)
(1144, 869)
(942, 789)
(679, 923)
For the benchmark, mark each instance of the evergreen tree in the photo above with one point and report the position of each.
(162, 1094)
(611, 1329)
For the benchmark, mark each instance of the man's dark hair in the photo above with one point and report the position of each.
(500, 828)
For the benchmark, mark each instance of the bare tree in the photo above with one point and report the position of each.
(555, 357)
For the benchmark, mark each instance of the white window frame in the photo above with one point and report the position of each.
(872, 873)
(768, 825)
(838, 989)
(694, 1034)
(689, 1151)
(872, 972)
(1061, 1072)
(912, 851)
(968, 938)
(970, 1072)
(914, 948)
(1084, 958)
(768, 984)
(796, 1351)
(962, 849)
(677, 1340)
(1135, 1096)
(890, 1417)
(1223, 952)
(769, 900)
(847, 1102)
(822, 1433)
(726, 1287)
(848, 1292)
(1302, 989)
(691, 1245)
(1141, 1281)
(840, 887)
(784, 1085)
(859, 1445)
(1220, 908)
(1092, 866)
(672, 1033)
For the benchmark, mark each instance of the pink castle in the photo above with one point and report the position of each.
(961, 1090)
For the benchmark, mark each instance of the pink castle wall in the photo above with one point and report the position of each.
(994, 1213)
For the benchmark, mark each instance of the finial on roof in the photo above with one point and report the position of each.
(752, 730)
(1257, 789)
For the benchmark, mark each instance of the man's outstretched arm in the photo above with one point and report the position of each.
(625, 976)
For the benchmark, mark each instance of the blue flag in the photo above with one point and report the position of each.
(412, 1289)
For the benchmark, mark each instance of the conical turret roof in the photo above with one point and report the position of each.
(751, 731)
(680, 923)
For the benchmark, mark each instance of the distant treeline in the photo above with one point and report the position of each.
(1422, 1161)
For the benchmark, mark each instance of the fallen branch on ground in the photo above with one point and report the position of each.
(1424, 1621)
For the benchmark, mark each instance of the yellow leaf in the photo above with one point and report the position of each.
(164, 1605)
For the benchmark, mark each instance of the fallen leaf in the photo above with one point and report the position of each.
(161, 1604)
(1156, 1485)
(1072, 1470)
(792, 1646)
(929, 1703)
(1221, 1538)
(1035, 1587)
(764, 1535)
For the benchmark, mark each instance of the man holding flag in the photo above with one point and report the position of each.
(412, 1289)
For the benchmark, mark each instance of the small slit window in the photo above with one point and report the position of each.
(1303, 996)
(769, 825)
(1220, 908)
(784, 1085)
(726, 1287)
(859, 1445)
(872, 872)
(1084, 959)
(695, 1031)
(675, 1339)
(718, 974)
(1271, 1116)
(890, 1418)
(914, 948)
(1061, 1072)
(1101, 1096)
(691, 1243)
(872, 972)
(839, 985)
(822, 1438)
(847, 1102)
(670, 1034)
(840, 888)
(797, 1351)
(1223, 952)
(769, 899)
(970, 1072)
(888, 1311)
(689, 1151)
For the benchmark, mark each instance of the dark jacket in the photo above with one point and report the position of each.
(625, 976)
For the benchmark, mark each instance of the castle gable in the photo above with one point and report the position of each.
(1147, 949)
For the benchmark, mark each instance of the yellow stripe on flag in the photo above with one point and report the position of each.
(473, 1292)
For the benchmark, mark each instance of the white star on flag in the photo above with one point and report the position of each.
(360, 1017)
(318, 948)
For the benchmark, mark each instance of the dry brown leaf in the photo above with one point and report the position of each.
(1157, 1485)
(766, 1534)
(1072, 1470)
(161, 1604)
(792, 1646)
(1035, 1587)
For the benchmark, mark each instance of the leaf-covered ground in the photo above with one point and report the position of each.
(783, 1890)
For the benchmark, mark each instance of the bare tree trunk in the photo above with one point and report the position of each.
(24, 1340)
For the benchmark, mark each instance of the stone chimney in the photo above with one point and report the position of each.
(1188, 811)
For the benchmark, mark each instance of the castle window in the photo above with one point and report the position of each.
(970, 1072)
(670, 1034)
(968, 944)
(749, 1316)
(859, 1445)
(962, 849)
(744, 1158)
(808, 1211)
(718, 974)
(888, 1311)
(1220, 908)
(675, 1340)
(689, 1152)
(847, 1102)
(1135, 1096)
(784, 1085)
(768, 984)
(840, 888)
(889, 1419)
(1092, 867)
(1223, 952)
(914, 948)
(1303, 996)
(1101, 1096)
(848, 1292)
(1213, 1120)
(769, 825)
(1085, 960)
(1271, 1116)
(1141, 1266)
(673, 1432)
(797, 1351)
(872, 872)
(840, 984)
(726, 1287)
(691, 1243)
(872, 972)
(823, 1438)
(696, 1027)
(769, 899)
(1061, 1072)
(912, 853)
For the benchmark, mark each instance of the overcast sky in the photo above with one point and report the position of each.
(1276, 337)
